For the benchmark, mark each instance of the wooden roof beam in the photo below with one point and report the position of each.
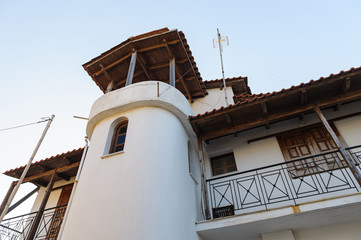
(158, 46)
(130, 54)
(344, 89)
(171, 56)
(60, 175)
(276, 116)
(265, 113)
(47, 173)
(143, 65)
(67, 161)
(228, 119)
(101, 71)
(163, 65)
(303, 101)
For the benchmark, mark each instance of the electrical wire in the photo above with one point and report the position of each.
(44, 119)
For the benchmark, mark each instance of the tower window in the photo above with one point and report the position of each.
(118, 139)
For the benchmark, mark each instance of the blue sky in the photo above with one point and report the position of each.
(43, 44)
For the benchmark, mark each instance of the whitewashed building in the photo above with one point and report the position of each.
(168, 159)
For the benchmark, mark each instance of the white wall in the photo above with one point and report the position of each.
(349, 231)
(214, 100)
(143, 192)
(350, 129)
(54, 195)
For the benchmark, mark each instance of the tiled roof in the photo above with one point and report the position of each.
(227, 80)
(248, 98)
(46, 160)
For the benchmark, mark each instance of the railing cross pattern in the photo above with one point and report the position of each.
(223, 195)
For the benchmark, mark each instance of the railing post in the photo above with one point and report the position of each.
(203, 180)
(343, 151)
(40, 212)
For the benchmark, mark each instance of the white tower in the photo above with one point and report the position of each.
(135, 181)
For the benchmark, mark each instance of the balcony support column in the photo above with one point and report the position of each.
(7, 196)
(203, 180)
(40, 212)
(340, 147)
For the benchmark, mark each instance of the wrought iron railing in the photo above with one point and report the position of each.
(17, 228)
(288, 183)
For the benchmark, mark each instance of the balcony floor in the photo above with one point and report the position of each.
(336, 210)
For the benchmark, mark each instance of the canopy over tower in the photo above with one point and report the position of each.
(161, 55)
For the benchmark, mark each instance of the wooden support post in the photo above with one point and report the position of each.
(144, 68)
(40, 212)
(133, 61)
(203, 180)
(107, 76)
(109, 87)
(7, 196)
(341, 148)
(172, 72)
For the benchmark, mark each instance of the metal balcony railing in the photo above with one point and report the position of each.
(289, 183)
(17, 228)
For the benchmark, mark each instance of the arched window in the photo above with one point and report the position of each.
(118, 139)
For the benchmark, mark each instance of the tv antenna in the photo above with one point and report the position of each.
(220, 40)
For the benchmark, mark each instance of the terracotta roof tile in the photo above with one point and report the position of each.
(247, 98)
(46, 159)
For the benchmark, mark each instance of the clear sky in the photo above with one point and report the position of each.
(43, 44)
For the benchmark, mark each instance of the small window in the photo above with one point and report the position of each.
(223, 164)
(118, 139)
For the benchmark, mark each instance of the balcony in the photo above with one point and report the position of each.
(19, 227)
(316, 191)
(293, 183)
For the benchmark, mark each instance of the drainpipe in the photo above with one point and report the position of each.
(74, 187)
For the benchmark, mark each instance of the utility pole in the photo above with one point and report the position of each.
(12, 195)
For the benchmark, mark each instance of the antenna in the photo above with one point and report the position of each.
(220, 40)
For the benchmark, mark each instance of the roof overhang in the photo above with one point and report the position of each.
(263, 109)
(39, 173)
(239, 85)
(154, 51)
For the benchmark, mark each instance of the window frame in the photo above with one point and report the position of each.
(224, 165)
(114, 145)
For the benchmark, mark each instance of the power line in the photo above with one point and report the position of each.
(44, 119)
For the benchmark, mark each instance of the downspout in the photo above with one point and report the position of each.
(74, 186)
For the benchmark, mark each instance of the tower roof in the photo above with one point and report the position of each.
(154, 50)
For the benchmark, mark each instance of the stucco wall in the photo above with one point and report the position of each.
(214, 100)
(145, 191)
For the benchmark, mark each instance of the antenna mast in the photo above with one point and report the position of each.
(220, 54)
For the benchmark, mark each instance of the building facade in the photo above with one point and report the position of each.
(168, 159)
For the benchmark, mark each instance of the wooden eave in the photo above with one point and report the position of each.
(239, 85)
(153, 55)
(264, 109)
(39, 173)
